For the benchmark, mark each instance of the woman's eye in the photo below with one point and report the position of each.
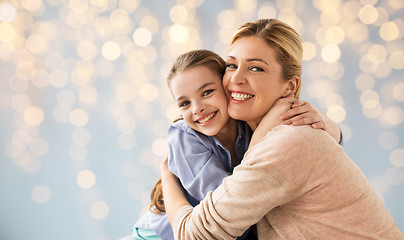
(231, 65)
(256, 69)
(207, 92)
(183, 104)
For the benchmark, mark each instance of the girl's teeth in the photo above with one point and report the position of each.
(206, 118)
(241, 96)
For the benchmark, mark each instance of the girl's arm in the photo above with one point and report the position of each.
(291, 111)
(174, 197)
(303, 113)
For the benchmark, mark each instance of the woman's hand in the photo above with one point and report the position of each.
(303, 113)
(173, 194)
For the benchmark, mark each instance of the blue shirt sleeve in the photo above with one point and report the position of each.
(192, 159)
(341, 140)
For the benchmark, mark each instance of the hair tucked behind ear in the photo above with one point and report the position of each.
(156, 197)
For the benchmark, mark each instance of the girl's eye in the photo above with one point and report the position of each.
(256, 69)
(207, 92)
(184, 104)
(231, 65)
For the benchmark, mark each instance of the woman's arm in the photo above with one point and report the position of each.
(303, 113)
(257, 185)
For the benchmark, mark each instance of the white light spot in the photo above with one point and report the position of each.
(39, 147)
(397, 157)
(33, 115)
(99, 210)
(330, 53)
(7, 12)
(394, 176)
(78, 117)
(126, 141)
(40, 194)
(142, 37)
(160, 147)
(86, 179)
(111, 50)
(336, 113)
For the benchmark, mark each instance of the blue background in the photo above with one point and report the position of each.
(82, 127)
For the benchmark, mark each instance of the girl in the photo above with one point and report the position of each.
(206, 144)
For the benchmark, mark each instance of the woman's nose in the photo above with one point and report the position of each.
(238, 76)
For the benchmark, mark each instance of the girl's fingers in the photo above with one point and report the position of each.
(298, 103)
(303, 119)
(292, 113)
(318, 125)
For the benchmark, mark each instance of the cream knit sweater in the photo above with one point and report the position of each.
(296, 183)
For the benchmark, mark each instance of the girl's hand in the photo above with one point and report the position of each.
(303, 113)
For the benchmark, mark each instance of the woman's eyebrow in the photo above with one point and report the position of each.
(251, 59)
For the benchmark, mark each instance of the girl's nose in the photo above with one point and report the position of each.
(198, 108)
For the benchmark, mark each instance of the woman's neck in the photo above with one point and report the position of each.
(227, 137)
(254, 123)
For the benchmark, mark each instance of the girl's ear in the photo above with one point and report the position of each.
(291, 87)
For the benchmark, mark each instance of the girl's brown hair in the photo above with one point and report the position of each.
(283, 38)
(183, 63)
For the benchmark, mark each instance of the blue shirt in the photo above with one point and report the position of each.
(200, 162)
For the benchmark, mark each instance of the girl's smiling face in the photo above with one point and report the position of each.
(253, 79)
(201, 99)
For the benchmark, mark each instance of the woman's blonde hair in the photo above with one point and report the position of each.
(183, 63)
(283, 38)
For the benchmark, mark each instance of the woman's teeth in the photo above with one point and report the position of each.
(241, 96)
(202, 121)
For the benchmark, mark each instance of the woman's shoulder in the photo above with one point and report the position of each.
(302, 135)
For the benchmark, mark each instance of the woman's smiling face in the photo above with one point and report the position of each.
(253, 79)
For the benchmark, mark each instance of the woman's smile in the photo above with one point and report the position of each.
(238, 97)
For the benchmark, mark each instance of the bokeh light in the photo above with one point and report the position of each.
(330, 53)
(41, 194)
(86, 179)
(34, 115)
(7, 12)
(99, 210)
(85, 105)
(79, 117)
(111, 50)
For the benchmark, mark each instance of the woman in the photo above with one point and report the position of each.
(294, 182)
(205, 145)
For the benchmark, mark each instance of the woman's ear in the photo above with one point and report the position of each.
(291, 87)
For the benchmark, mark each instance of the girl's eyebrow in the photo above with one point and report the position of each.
(251, 59)
(199, 89)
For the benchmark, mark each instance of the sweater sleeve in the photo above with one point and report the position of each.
(192, 160)
(272, 173)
